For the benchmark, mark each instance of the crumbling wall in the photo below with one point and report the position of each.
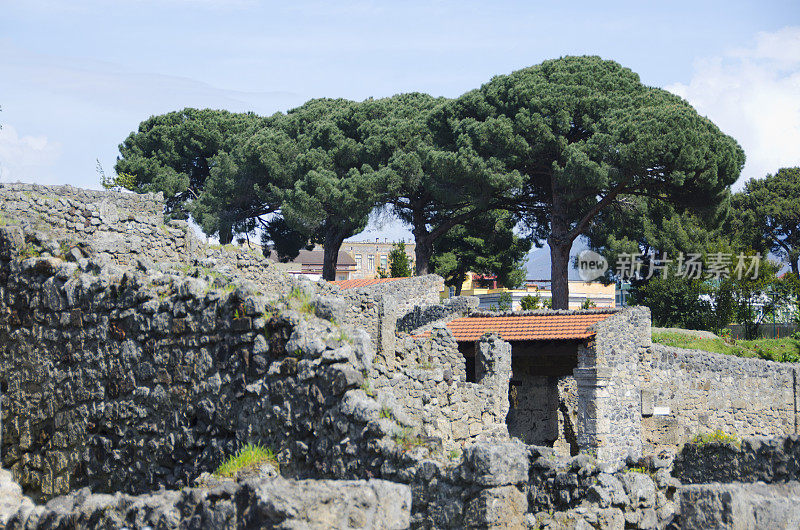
(696, 392)
(422, 317)
(409, 292)
(429, 386)
(273, 503)
(127, 228)
(376, 308)
(121, 227)
(130, 379)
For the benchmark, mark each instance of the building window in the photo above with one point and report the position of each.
(383, 262)
(371, 262)
(358, 261)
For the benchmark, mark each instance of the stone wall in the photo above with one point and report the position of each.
(420, 317)
(376, 308)
(126, 228)
(747, 484)
(429, 388)
(273, 503)
(699, 392)
(131, 379)
(607, 376)
(410, 292)
(753, 459)
(119, 226)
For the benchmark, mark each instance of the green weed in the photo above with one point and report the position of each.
(247, 457)
(406, 439)
(717, 436)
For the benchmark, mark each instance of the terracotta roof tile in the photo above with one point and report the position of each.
(527, 327)
(353, 284)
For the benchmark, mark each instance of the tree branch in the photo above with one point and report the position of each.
(584, 222)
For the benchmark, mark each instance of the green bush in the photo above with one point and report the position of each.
(504, 303)
(530, 303)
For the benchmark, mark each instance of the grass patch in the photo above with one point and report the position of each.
(344, 337)
(406, 439)
(454, 454)
(642, 470)
(717, 436)
(366, 386)
(30, 251)
(300, 300)
(785, 349)
(386, 412)
(248, 456)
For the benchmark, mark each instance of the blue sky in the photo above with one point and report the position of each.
(77, 76)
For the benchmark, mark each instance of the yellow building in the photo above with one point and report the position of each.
(487, 291)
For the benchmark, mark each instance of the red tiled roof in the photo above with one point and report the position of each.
(527, 327)
(353, 284)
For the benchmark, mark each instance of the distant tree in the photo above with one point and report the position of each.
(767, 215)
(399, 267)
(174, 153)
(676, 301)
(584, 134)
(485, 245)
(335, 188)
(246, 187)
(435, 183)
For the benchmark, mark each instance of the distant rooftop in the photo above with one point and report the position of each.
(316, 257)
(354, 284)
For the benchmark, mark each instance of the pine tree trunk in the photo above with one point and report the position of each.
(423, 252)
(560, 245)
(331, 245)
(559, 274)
(225, 234)
(424, 244)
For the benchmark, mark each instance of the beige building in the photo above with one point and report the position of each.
(369, 256)
(487, 291)
(309, 263)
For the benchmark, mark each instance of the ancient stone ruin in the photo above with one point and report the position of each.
(134, 359)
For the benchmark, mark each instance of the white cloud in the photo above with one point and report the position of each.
(753, 94)
(27, 158)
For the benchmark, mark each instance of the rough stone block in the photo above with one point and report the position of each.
(740, 506)
(498, 464)
(502, 507)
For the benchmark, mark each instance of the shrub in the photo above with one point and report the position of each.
(504, 303)
(529, 303)
(717, 436)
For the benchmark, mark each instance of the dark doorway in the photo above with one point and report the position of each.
(543, 393)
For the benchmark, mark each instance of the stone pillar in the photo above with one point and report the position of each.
(493, 370)
(493, 361)
(594, 411)
(387, 330)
